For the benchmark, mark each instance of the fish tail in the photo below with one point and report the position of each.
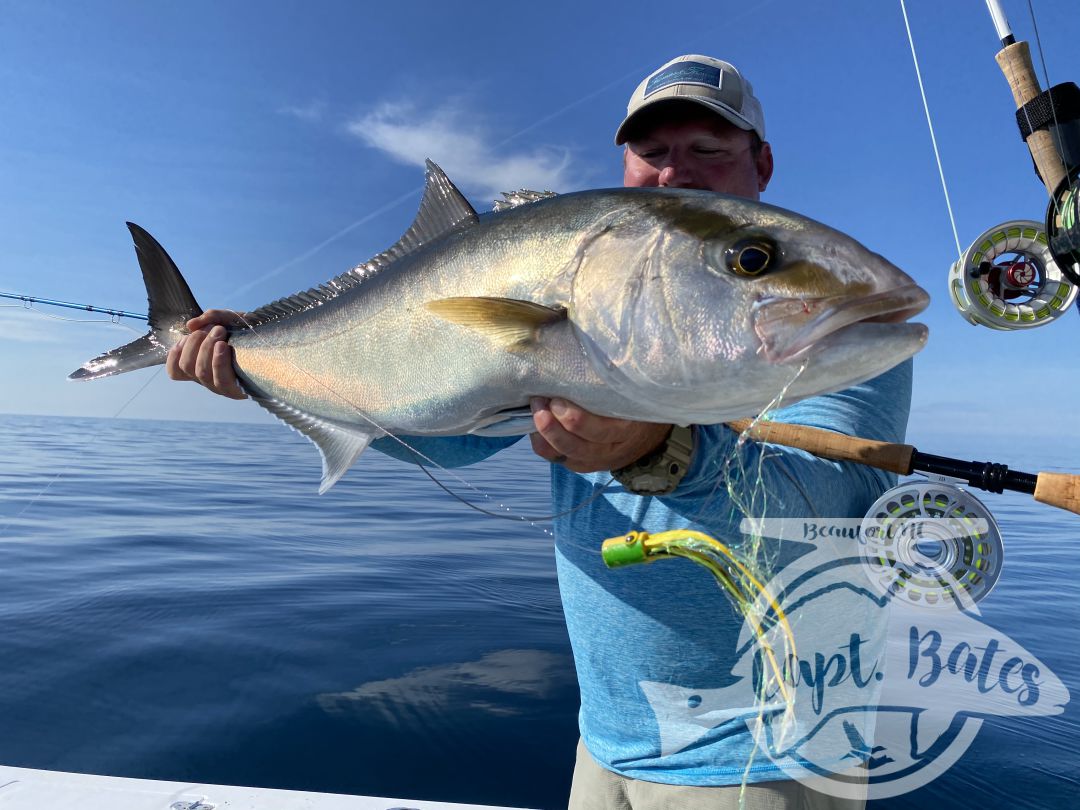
(171, 305)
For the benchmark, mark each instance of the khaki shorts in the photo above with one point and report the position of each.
(595, 788)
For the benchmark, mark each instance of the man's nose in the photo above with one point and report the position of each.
(674, 175)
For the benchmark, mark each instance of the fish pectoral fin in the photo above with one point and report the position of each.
(507, 321)
(511, 422)
(339, 445)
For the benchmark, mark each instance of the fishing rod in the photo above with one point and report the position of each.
(1026, 273)
(1054, 489)
(1036, 114)
(32, 299)
(926, 541)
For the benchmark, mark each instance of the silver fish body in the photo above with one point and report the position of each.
(665, 305)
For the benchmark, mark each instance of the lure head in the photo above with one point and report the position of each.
(627, 549)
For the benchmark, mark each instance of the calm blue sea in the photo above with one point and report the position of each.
(178, 603)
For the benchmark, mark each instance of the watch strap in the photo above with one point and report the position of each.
(659, 472)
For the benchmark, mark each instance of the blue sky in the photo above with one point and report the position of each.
(270, 146)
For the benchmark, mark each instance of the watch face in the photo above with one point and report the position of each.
(651, 483)
(662, 470)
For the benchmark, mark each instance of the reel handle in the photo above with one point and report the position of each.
(1060, 490)
(895, 458)
(1015, 62)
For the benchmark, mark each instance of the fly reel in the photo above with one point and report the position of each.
(1063, 226)
(931, 544)
(1009, 279)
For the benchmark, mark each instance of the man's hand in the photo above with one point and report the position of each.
(584, 442)
(205, 356)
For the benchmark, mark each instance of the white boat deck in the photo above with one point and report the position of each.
(28, 789)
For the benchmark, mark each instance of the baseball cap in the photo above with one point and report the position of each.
(712, 83)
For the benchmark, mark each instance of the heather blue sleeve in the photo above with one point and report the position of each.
(446, 451)
(796, 482)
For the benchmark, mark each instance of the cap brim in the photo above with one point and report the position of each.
(653, 107)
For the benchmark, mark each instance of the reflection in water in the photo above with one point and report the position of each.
(495, 684)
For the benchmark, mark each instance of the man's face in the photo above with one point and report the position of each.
(703, 152)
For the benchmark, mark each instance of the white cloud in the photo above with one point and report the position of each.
(311, 112)
(454, 137)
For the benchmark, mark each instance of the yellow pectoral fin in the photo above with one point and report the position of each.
(507, 321)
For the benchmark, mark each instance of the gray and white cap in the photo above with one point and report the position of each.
(713, 83)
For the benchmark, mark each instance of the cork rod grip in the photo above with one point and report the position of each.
(826, 444)
(1015, 63)
(1059, 489)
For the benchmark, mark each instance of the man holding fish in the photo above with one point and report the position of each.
(696, 124)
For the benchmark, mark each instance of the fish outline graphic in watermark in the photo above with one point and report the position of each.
(886, 694)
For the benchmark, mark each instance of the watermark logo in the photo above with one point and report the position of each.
(861, 691)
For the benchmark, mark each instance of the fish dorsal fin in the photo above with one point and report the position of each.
(523, 196)
(443, 210)
(339, 445)
(507, 321)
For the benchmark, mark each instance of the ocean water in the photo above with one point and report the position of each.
(178, 603)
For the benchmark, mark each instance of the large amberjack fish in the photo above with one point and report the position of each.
(664, 305)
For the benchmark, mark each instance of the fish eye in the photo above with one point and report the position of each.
(751, 257)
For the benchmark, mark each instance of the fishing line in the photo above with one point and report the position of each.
(1011, 77)
(27, 304)
(643, 68)
(933, 138)
(637, 71)
(757, 556)
(115, 321)
(329, 240)
(751, 554)
(94, 437)
(1053, 108)
(417, 453)
(1046, 73)
(754, 501)
(116, 314)
(723, 477)
(572, 509)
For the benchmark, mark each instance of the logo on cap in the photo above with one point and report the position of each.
(685, 73)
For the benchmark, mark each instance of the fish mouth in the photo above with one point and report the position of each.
(789, 327)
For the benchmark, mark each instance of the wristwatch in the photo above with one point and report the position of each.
(660, 471)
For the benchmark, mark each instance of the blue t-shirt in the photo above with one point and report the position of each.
(669, 623)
